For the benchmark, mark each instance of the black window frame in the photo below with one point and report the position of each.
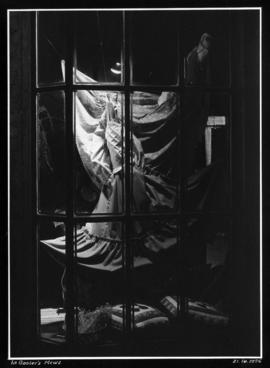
(69, 87)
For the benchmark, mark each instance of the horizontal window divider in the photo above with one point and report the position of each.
(209, 88)
(126, 87)
(126, 217)
(207, 213)
(99, 87)
(158, 88)
(181, 87)
(226, 126)
(76, 219)
(132, 88)
(53, 217)
(99, 218)
(51, 88)
(150, 87)
(178, 214)
(139, 216)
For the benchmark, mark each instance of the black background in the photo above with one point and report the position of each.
(265, 153)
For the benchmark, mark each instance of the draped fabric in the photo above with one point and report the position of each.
(99, 133)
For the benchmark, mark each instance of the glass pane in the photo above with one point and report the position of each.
(99, 144)
(51, 156)
(99, 47)
(154, 48)
(155, 144)
(155, 248)
(51, 303)
(155, 252)
(206, 147)
(205, 38)
(207, 245)
(51, 46)
(186, 275)
(99, 282)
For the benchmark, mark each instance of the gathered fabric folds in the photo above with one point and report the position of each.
(99, 134)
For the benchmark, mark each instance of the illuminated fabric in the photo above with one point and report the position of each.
(99, 140)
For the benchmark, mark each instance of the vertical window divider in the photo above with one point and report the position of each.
(179, 59)
(128, 254)
(70, 325)
(34, 20)
(230, 90)
(179, 190)
(229, 152)
(179, 176)
(182, 300)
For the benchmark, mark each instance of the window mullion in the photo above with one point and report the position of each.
(127, 144)
(34, 25)
(70, 333)
(181, 299)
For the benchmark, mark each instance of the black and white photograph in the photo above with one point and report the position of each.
(134, 184)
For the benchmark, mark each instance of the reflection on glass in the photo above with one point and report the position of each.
(206, 48)
(205, 144)
(154, 48)
(99, 46)
(155, 145)
(51, 46)
(99, 144)
(51, 304)
(51, 158)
